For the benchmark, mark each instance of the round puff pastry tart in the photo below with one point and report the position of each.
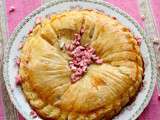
(80, 65)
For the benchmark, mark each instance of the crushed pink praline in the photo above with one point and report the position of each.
(143, 17)
(139, 41)
(11, 9)
(18, 61)
(38, 20)
(30, 31)
(18, 80)
(33, 114)
(82, 56)
(21, 45)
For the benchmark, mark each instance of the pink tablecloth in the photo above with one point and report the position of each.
(23, 7)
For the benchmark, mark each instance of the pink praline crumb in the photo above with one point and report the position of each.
(21, 45)
(18, 61)
(143, 17)
(33, 114)
(11, 9)
(38, 20)
(139, 41)
(99, 61)
(30, 31)
(18, 80)
(82, 30)
(67, 46)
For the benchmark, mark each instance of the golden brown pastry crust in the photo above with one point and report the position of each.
(103, 91)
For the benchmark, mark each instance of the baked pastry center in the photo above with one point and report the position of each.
(103, 90)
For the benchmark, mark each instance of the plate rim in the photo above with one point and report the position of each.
(100, 2)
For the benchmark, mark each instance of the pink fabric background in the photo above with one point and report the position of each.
(155, 5)
(23, 7)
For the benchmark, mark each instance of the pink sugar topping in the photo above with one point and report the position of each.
(18, 80)
(143, 17)
(30, 31)
(33, 114)
(11, 9)
(18, 61)
(82, 56)
(38, 20)
(139, 41)
(21, 45)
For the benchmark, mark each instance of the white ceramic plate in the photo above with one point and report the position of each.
(130, 112)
